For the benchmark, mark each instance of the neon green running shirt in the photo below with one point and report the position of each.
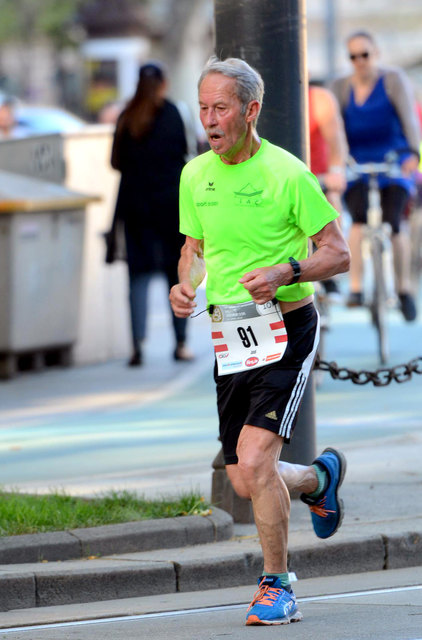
(253, 214)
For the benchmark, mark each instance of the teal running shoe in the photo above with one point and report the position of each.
(327, 510)
(272, 604)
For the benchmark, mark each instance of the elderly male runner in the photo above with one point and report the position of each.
(247, 209)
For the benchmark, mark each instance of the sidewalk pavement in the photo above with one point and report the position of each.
(382, 529)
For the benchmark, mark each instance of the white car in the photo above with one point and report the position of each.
(36, 120)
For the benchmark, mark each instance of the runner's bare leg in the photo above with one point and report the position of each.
(257, 476)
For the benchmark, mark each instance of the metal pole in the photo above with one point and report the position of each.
(271, 36)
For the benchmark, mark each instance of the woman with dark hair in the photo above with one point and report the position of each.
(150, 149)
(378, 108)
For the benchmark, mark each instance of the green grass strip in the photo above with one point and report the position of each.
(22, 513)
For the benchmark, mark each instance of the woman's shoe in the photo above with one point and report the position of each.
(407, 306)
(183, 354)
(355, 299)
(136, 359)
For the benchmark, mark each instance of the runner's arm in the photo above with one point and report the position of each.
(191, 273)
(332, 256)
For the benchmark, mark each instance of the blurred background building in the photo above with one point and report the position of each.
(396, 27)
(82, 54)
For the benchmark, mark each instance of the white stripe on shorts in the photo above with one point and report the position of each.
(299, 388)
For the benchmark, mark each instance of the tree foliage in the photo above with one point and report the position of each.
(60, 20)
(26, 20)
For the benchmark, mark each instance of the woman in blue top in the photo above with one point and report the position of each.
(379, 114)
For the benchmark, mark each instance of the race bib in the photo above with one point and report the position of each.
(247, 335)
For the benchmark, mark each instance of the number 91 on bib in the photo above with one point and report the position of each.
(247, 335)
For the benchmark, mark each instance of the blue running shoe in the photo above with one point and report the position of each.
(327, 510)
(272, 604)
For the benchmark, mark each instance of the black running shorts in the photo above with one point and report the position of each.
(269, 397)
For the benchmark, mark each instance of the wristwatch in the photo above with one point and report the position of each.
(296, 270)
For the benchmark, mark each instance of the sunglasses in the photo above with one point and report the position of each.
(356, 56)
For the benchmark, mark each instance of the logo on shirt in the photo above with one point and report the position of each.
(210, 187)
(249, 196)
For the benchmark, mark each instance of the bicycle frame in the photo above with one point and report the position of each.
(378, 236)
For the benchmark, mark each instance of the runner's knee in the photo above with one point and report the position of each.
(237, 481)
(254, 468)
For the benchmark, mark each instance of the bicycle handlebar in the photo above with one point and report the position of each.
(390, 167)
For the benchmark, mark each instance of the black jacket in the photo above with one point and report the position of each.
(148, 197)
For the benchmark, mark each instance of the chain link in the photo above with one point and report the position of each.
(379, 378)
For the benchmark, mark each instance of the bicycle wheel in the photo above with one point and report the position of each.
(379, 299)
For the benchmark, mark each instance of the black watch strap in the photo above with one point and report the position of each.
(296, 271)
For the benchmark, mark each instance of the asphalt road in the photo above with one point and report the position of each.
(383, 605)
(154, 429)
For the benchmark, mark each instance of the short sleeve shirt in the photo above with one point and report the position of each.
(253, 214)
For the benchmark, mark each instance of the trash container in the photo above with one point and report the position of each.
(41, 244)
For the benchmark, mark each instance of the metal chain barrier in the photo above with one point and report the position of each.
(379, 378)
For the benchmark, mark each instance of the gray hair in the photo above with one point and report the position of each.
(249, 84)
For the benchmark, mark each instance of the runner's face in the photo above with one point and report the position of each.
(220, 112)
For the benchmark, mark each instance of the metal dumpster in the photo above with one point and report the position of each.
(41, 243)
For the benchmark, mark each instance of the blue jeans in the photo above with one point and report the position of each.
(138, 293)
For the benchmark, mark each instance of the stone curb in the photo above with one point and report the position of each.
(209, 566)
(107, 540)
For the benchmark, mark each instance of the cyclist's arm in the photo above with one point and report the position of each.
(330, 123)
(401, 94)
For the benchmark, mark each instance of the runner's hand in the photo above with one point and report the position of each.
(182, 298)
(262, 283)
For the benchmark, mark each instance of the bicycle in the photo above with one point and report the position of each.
(377, 235)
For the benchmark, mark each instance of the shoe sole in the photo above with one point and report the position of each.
(343, 467)
(255, 621)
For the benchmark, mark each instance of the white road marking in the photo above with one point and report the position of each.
(185, 612)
